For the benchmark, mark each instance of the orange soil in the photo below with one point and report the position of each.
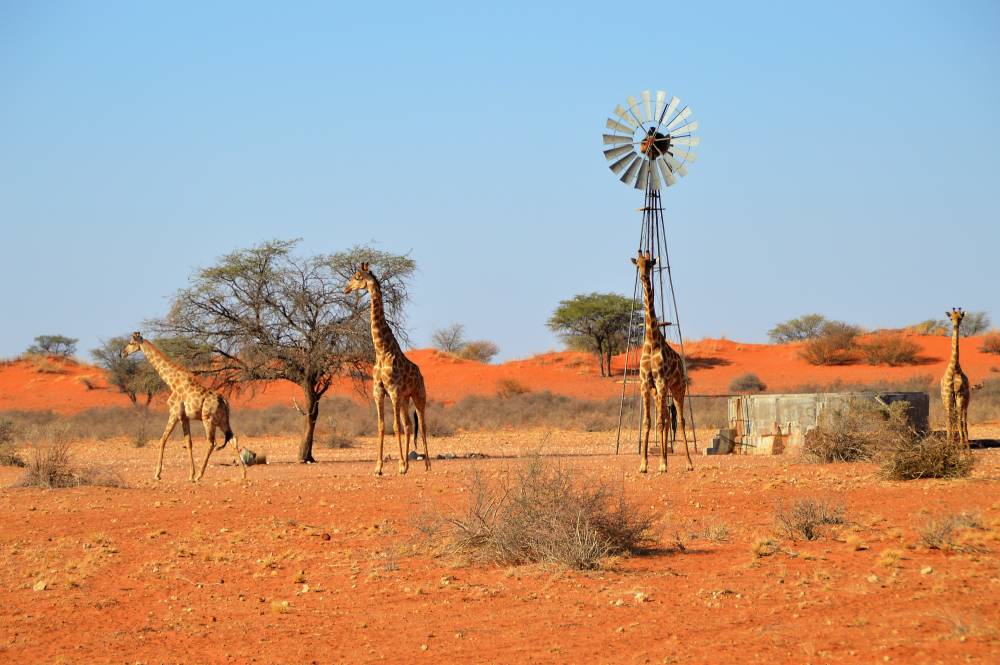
(714, 364)
(323, 563)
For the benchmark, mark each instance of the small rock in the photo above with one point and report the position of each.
(926, 570)
(872, 578)
(640, 597)
(40, 585)
(423, 647)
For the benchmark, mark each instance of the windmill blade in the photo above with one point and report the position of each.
(681, 117)
(661, 100)
(681, 170)
(614, 139)
(647, 109)
(691, 141)
(668, 177)
(686, 156)
(640, 182)
(669, 111)
(623, 114)
(673, 163)
(618, 127)
(686, 129)
(633, 107)
(621, 163)
(654, 178)
(611, 153)
(631, 171)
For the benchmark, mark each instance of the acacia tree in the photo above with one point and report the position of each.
(596, 322)
(54, 345)
(266, 313)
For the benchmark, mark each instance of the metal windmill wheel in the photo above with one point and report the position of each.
(649, 144)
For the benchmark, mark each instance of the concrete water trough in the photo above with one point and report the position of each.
(774, 424)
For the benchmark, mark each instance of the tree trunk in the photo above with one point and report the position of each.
(609, 351)
(311, 415)
(600, 354)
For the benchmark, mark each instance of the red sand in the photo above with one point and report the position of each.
(23, 385)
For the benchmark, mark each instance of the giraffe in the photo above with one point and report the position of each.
(661, 373)
(393, 374)
(955, 392)
(188, 401)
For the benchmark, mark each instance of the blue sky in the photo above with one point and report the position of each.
(847, 165)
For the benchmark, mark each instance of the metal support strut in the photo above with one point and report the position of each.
(652, 239)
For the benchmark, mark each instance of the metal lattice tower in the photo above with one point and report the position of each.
(650, 144)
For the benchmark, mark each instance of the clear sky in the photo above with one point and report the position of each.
(848, 161)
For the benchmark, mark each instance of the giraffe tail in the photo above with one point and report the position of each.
(228, 437)
(416, 428)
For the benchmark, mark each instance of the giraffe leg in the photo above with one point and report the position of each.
(186, 426)
(408, 428)
(420, 402)
(962, 413)
(210, 437)
(397, 410)
(380, 411)
(647, 403)
(171, 424)
(663, 426)
(679, 405)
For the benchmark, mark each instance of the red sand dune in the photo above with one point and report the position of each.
(68, 387)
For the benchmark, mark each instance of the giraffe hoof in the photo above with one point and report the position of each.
(642, 469)
(690, 467)
(662, 469)
(378, 473)
(427, 464)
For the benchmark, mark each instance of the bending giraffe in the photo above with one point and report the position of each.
(955, 392)
(188, 401)
(661, 374)
(393, 374)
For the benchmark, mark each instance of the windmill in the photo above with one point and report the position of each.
(649, 144)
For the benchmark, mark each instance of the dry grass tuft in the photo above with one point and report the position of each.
(748, 382)
(944, 533)
(8, 457)
(50, 467)
(541, 513)
(806, 517)
(511, 387)
(836, 345)
(762, 547)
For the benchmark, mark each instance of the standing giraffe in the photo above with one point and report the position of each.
(394, 374)
(661, 373)
(955, 391)
(188, 401)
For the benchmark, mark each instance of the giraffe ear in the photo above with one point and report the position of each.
(634, 262)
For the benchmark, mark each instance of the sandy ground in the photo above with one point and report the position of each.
(324, 563)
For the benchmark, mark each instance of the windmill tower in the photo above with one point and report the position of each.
(649, 144)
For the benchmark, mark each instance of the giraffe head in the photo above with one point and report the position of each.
(134, 344)
(955, 315)
(361, 279)
(644, 262)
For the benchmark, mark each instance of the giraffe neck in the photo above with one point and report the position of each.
(171, 374)
(953, 363)
(382, 336)
(652, 331)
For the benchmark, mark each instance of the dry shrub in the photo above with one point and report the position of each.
(511, 387)
(542, 513)
(837, 345)
(891, 349)
(50, 467)
(8, 457)
(806, 517)
(943, 533)
(45, 365)
(932, 456)
(748, 382)
(991, 343)
(856, 431)
(480, 351)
